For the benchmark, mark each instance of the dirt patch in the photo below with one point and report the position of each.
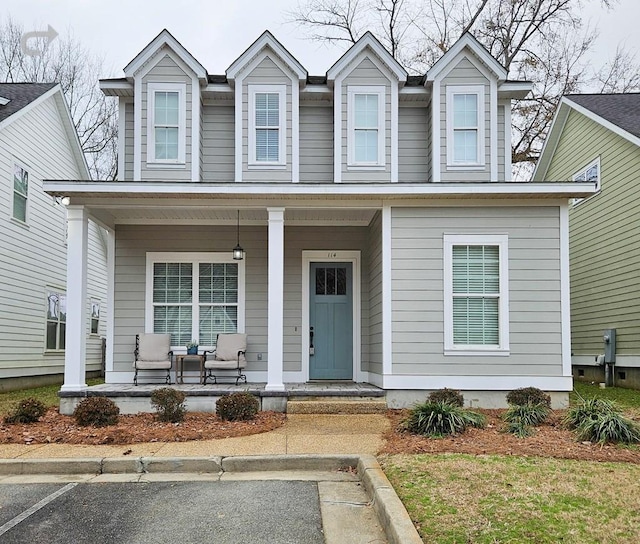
(54, 428)
(549, 440)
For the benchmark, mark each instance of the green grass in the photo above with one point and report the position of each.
(47, 394)
(626, 399)
(488, 499)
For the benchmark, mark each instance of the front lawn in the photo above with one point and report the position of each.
(627, 399)
(456, 498)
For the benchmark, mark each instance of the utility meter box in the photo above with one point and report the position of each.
(609, 338)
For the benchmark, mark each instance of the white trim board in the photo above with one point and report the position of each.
(353, 257)
(475, 383)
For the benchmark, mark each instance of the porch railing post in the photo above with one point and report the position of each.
(275, 316)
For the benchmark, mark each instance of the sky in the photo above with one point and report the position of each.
(216, 32)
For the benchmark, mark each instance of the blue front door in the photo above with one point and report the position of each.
(331, 321)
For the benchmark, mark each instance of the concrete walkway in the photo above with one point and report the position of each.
(301, 434)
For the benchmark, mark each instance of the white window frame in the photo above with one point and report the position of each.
(281, 90)
(152, 89)
(195, 259)
(60, 292)
(479, 91)
(595, 162)
(17, 164)
(352, 91)
(92, 303)
(502, 241)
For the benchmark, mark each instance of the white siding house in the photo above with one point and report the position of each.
(38, 142)
(384, 241)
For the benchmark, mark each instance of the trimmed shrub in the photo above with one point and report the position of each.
(528, 395)
(598, 420)
(27, 410)
(437, 419)
(96, 412)
(237, 407)
(169, 404)
(450, 396)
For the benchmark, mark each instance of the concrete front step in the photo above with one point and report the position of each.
(325, 406)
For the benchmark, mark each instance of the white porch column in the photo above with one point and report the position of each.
(275, 367)
(76, 332)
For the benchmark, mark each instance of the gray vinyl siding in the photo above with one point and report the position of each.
(465, 73)
(534, 289)
(604, 237)
(166, 70)
(218, 143)
(33, 256)
(429, 132)
(128, 142)
(375, 295)
(316, 143)
(96, 289)
(266, 73)
(133, 242)
(413, 145)
(366, 73)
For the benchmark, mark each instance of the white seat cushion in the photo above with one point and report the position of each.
(154, 347)
(229, 345)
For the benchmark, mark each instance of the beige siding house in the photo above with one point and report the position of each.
(38, 142)
(384, 240)
(597, 138)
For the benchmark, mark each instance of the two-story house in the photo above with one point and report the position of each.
(596, 137)
(382, 238)
(38, 141)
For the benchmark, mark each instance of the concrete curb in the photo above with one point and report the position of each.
(390, 511)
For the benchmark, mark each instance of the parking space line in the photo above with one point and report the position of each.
(20, 518)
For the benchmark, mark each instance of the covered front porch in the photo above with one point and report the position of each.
(308, 291)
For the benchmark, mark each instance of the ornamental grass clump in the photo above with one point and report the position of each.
(450, 396)
(520, 419)
(237, 407)
(96, 412)
(599, 420)
(27, 410)
(169, 404)
(438, 419)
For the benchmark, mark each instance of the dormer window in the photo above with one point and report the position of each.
(366, 121)
(465, 126)
(167, 120)
(267, 125)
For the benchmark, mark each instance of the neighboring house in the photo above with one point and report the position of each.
(596, 138)
(38, 141)
(376, 211)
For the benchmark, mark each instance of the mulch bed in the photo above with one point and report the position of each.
(54, 428)
(549, 440)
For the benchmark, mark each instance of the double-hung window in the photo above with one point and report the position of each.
(95, 316)
(465, 125)
(267, 125)
(55, 335)
(167, 119)
(194, 296)
(476, 294)
(366, 125)
(591, 173)
(20, 193)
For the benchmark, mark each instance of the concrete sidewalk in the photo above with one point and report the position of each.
(301, 434)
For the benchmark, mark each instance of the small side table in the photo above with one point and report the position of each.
(180, 365)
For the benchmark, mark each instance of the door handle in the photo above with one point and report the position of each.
(312, 350)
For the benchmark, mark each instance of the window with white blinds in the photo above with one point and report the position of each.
(195, 299)
(476, 292)
(166, 118)
(366, 125)
(267, 125)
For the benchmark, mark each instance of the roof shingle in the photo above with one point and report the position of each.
(20, 95)
(621, 109)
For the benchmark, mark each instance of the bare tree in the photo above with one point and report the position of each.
(543, 41)
(67, 62)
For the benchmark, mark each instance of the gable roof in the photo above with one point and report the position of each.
(266, 39)
(19, 95)
(468, 41)
(619, 113)
(368, 40)
(165, 38)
